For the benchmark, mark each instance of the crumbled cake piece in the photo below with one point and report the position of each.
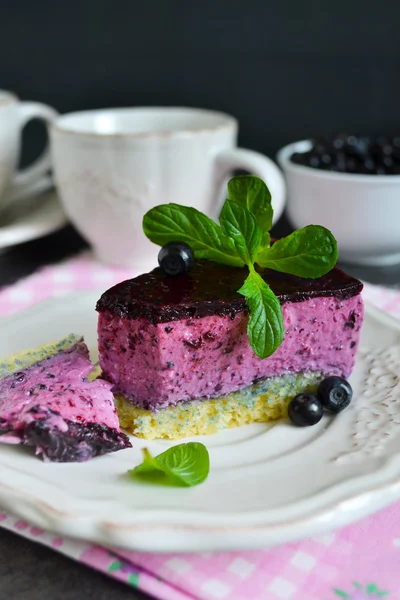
(48, 402)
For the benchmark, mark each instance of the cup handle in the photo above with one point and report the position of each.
(35, 178)
(256, 164)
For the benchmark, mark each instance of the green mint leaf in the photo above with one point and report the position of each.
(184, 465)
(149, 465)
(265, 327)
(254, 194)
(175, 223)
(240, 224)
(308, 252)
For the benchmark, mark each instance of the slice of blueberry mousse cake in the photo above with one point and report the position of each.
(49, 402)
(232, 327)
(178, 356)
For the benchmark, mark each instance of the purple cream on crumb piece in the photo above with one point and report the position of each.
(54, 408)
(163, 340)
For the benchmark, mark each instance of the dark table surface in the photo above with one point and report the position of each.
(29, 571)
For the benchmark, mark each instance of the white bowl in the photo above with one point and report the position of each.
(362, 211)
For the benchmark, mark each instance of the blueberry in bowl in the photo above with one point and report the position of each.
(364, 155)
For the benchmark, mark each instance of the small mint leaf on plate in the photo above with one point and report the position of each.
(175, 223)
(265, 328)
(308, 252)
(240, 224)
(255, 195)
(184, 465)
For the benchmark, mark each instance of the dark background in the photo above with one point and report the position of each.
(288, 69)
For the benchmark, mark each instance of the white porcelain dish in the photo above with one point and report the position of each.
(267, 485)
(362, 211)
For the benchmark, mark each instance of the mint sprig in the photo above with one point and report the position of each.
(243, 239)
(184, 465)
(265, 327)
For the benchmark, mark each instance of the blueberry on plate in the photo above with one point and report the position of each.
(335, 393)
(176, 258)
(305, 409)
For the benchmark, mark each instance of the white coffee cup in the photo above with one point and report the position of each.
(111, 166)
(14, 115)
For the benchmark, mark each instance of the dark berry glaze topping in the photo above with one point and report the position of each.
(79, 443)
(211, 289)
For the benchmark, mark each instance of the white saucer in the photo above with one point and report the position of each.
(31, 219)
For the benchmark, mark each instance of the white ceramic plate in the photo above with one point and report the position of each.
(31, 219)
(267, 485)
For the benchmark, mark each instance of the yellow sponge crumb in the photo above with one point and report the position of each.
(27, 358)
(267, 400)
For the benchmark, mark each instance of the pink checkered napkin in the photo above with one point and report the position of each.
(358, 562)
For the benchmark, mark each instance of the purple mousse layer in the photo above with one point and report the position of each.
(54, 408)
(203, 350)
